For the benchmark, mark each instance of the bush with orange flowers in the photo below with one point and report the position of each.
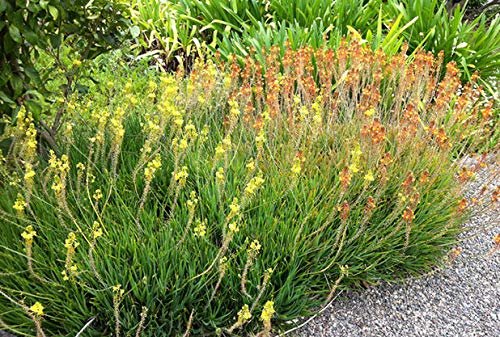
(234, 199)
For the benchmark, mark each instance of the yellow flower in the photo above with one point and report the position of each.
(268, 311)
(233, 227)
(28, 234)
(370, 112)
(251, 165)
(344, 270)
(152, 167)
(97, 195)
(260, 139)
(255, 246)
(219, 151)
(181, 176)
(369, 176)
(254, 184)
(353, 168)
(234, 208)
(37, 309)
(29, 173)
(71, 243)
(20, 204)
(117, 288)
(244, 315)
(296, 167)
(192, 202)
(220, 175)
(200, 229)
(96, 230)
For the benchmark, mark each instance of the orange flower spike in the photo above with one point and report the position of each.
(345, 178)
(462, 205)
(370, 205)
(408, 215)
(344, 210)
(465, 175)
(408, 182)
(424, 178)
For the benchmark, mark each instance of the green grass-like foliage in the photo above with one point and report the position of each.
(179, 29)
(231, 202)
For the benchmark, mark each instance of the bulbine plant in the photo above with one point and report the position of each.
(237, 198)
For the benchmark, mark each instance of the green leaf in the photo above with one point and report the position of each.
(3, 5)
(15, 34)
(135, 31)
(54, 12)
(5, 98)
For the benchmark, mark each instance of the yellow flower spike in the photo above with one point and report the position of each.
(253, 185)
(97, 195)
(117, 288)
(297, 166)
(152, 167)
(255, 247)
(28, 235)
(71, 241)
(37, 309)
(260, 139)
(268, 312)
(96, 230)
(181, 176)
(250, 166)
(234, 208)
(29, 173)
(353, 168)
(344, 270)
(20, 204)
(219, 175)
(183, 144)
(244, 315)
(219, 151)
(370, 112)
(200, 230)
(192, 202)
(233, 227)
(369, 176)
(65, 275)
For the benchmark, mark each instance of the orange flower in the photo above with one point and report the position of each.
(424, 178)
(465, 175)
(370, 205)
(345, 178)
(496, 239)
(462, 205)
(344, 210)
(408, 215)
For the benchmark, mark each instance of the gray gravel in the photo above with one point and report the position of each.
(461, 300)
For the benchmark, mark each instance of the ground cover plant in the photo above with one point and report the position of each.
(232, 200)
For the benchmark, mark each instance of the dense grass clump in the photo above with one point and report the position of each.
(233, 200)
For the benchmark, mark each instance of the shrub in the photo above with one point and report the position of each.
(30, 27)
(237, 199)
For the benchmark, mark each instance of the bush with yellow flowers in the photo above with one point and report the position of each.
(236, 198)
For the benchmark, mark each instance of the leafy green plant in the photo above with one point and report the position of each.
(28, 28)
(473, 45)
(233, 200)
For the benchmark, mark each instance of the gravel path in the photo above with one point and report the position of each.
(463, 300)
